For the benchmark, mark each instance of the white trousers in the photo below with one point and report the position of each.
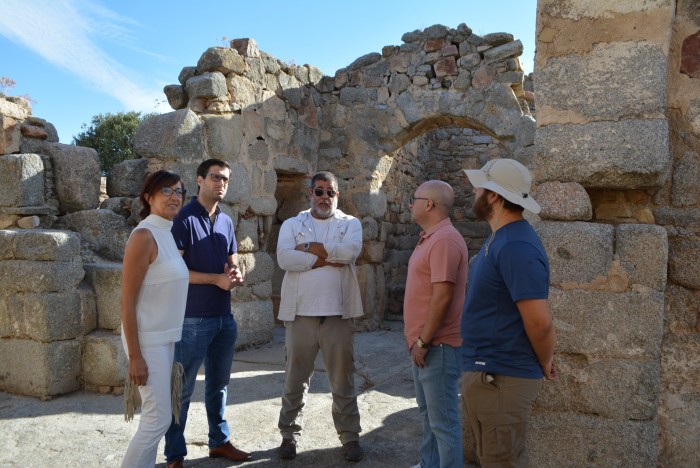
(156, 412)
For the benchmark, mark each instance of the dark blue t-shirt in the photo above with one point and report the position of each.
(494, 338)
(206, 249)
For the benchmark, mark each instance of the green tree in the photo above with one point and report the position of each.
(112, 136)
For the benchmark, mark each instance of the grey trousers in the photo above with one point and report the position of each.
(334, 337)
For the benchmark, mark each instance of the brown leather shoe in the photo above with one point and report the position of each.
(175, 464)
(227, 450)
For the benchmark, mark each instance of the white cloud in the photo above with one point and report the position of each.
(69, 36)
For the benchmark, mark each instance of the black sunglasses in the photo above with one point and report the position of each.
(330, 192)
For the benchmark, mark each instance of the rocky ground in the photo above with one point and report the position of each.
(88, 429)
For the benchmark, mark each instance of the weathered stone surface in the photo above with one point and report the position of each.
(688, 217)
(643, 252)
(15, 107)
(185, 74)
(39, 244)
(101, 231)
(125, 178)
(446, 66)
(613, 88)
(103, 360)
(21, 180)
(505, 51)
(207, 85)
(176, 95)
(497, 39)
(686, 190)
(106, 281)
(679, 406)
(288, 165)
(71, 164)
(247, 235)
(587, 387)
(41, 317)
(690, 61)
(221, 59)
(263, 206)
(18, 276)
(580, 254)
(29, 222)
(10, 135)
(370, 204)
(255, 322)
(684, 261)
(37, 369)
(627, 154)
(586, 440)
(246, 47)
(224, 135)
(240, 189)
(564, 202)
(174, 136)
(599, 323)
(256, 267)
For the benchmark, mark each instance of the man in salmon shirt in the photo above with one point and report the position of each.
(435, 289)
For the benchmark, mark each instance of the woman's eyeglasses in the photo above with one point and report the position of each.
(330, 192)
(168, 192)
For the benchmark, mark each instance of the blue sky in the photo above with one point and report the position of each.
(80, 58)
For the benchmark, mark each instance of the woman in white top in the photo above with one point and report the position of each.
(153, 297)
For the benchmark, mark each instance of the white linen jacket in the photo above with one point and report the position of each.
(344, 246)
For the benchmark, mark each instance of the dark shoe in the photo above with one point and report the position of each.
(353, 451)
(288, 449)
(175, 464)
(227, 450)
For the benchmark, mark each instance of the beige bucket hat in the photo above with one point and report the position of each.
(508, 178)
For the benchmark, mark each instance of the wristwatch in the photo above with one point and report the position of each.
(307, 246)
(422, 344)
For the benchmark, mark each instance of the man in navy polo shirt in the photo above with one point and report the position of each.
(206, 239)
(508, 336)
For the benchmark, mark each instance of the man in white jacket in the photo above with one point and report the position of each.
(320, 297)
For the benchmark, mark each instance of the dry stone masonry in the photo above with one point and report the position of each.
(614, 150)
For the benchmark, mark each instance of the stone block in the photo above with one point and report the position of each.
(106, 281)
(246, 47)
(239, 187)
(224, 135)
(207, 85)
(579, 253)
(104, 360)
(17, 276)
(616, 389)
(125, 178)
(42, 317)
(370, 203)
(178, 135)
(502, 52)
(39, 244)
(559, 439)
(21, 180)
(684, 261)
(564, 202)
(679, 406)
(37, 369)
(101, 231)
(367, 279)
(373, 252)
(688, 217)
(75, 163)
(256, 267)
(247, 235)
(256, 322)
(614, 89)
(686, 190)
(627, 154)
(88, 308)
(263, 206)
(221, 59)
(643, 253)
(176, 95)
(597, 323)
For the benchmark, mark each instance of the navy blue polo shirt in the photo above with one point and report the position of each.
(206, 249)
(493, 335)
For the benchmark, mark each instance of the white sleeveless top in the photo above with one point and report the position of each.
(160, 309)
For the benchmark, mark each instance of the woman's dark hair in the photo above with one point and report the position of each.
(152, 184)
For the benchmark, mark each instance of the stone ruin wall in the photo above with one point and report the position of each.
(616, 166)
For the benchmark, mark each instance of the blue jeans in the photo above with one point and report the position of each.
(438, 401)
(211, 340)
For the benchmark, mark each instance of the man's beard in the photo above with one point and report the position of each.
(481, 208)
(323, 211)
